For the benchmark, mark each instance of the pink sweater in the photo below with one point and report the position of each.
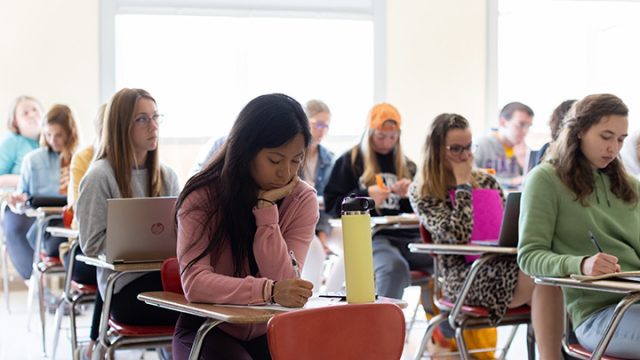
(290, 226)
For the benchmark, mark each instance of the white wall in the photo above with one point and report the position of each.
(49, 49)
(436, 61)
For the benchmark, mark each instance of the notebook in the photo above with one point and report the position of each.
(624, 275)
(140, 230)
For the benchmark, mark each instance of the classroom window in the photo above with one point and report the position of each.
(550, 51)
(203, 69)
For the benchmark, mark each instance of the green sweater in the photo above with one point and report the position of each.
(554, 234)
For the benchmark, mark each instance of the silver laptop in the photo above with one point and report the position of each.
(510, 218)
(140, 230)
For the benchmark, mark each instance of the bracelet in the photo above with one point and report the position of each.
(267, 200)
(273, 290)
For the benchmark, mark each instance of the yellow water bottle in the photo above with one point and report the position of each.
(358, 251)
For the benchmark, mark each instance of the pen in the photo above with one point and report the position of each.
(595, 242)
(294, 262)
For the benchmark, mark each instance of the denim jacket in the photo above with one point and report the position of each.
(40, 173)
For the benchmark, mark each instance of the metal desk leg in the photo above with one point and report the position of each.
(620, 309)
(200, 335)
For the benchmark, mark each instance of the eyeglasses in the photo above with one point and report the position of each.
(522, 125)
(144, 120)
(459, 149)
(381, 136)
(320, 125)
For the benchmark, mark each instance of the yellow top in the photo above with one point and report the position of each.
(79, 165)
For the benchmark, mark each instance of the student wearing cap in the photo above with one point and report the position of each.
(379, 154)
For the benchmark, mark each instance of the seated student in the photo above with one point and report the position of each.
(45, 172)
(584, 188)
(239, 219)
(24, 131)
(318, 162)
(83, 273)
(380, 154)
(127, 165)
(555, 124)
(505, 150)
(630, 154)
(448, 166)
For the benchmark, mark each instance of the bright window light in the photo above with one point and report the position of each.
(550, 51)
(203, 69)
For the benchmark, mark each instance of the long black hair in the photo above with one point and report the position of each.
(268, 121)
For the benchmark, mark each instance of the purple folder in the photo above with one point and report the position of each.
(487, 217)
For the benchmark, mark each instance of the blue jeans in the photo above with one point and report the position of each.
(625, 342)
(20, 251)
(392, 262)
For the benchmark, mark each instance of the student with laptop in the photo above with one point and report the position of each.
(126, 166)
(583, 188)
(245, 223)
(444, 198)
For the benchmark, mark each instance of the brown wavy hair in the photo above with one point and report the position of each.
(572, 166)
(436, 177)
(61, 115)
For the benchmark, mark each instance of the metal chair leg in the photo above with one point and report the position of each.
(531, 343)
(462, 345)
(41, 306)
(431, 326)
(507, 346)
(30, 296)
(5, 275)
(58, 325)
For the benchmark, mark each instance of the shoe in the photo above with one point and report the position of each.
(82, 352)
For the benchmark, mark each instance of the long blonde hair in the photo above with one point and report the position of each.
(370, 161)
(117, 146)
(436, 177)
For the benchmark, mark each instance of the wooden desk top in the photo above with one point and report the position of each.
(128, 267)
(233, 314)
(403, 219)
(229, 314)
(464, 249)
(618, 286)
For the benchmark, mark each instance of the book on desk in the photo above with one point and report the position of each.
(623, 275)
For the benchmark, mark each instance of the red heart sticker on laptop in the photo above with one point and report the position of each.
(157, 228)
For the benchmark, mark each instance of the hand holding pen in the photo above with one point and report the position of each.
(601, 263)
(292, 292)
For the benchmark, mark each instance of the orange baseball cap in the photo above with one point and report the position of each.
(383, 112)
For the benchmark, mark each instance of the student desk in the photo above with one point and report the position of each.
(461, 249)
(217, 314)
(62, 232)
(630, 288)
(454, 312)
(119, 270)
(404, 221)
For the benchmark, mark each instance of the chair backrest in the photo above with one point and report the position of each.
(351, 331)
(425, 235)
(170, 274)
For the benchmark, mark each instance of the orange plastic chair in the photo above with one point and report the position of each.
(350, 331)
